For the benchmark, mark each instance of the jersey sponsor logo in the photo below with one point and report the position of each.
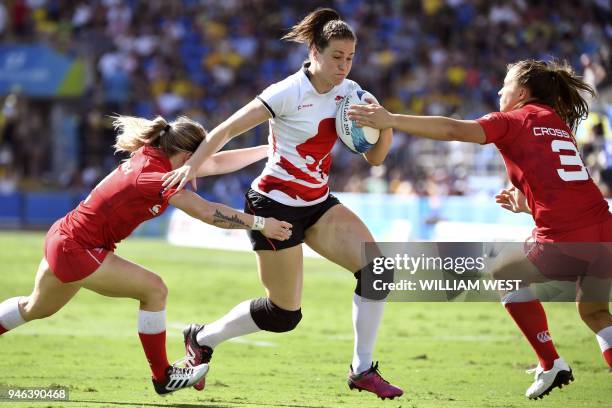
(546, 131)
(338, 99)
(155, 209)
(543, 336)
(306, 105)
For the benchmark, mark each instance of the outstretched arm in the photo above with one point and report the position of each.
(430, 127)
(249, 116)
(231, 160)
(225, 217)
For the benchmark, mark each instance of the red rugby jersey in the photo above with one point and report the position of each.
(542, 160)
(128, 196)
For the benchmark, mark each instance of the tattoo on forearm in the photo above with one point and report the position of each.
(225, 221)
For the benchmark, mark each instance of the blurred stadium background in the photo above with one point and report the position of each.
(65, 65)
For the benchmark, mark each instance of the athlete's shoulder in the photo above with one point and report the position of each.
(290, 84)
(349, 85)
(283, 97)
(515, 117)
(535, 110)
(152, 159)
(501, 127)
(148, 164)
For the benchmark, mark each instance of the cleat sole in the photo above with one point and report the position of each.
(562, 378)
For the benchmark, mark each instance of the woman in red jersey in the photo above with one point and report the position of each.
(540, 106)
(79, 248)
(293, 186)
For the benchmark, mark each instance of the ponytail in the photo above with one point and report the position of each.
(571, 105)
(182, 135)
(555, 84)
(318, 28)
(133, 133)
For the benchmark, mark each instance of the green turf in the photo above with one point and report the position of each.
(443, 355)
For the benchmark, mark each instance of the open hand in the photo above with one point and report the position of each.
(372, 115)
(278, 230)
(182, 176)
(512, 199)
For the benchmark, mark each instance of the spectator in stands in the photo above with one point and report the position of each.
(430, 57)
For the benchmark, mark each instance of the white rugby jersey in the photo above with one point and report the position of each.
(302, 134)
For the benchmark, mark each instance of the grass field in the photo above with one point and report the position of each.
(443, 355)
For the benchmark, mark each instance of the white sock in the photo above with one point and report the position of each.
(10, 317)
(366, 319)
(151, 322)
(604, 338)
(237, 322)
(524, 294)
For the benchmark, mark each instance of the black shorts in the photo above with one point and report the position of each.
(301, 218)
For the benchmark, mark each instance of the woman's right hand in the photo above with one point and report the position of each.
(275, 229)
(182, 176)
(372, 115)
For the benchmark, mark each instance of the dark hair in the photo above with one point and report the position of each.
(318, 28)
(182, 135)
(555, 84)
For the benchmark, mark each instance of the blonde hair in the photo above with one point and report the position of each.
(181, 135)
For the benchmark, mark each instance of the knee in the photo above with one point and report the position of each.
(373, 281)
(590, 315)
(157, 291)
(267, 316)
(30, 309)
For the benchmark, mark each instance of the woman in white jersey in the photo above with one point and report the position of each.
(293, 187)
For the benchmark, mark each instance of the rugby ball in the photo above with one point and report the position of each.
(357, 139)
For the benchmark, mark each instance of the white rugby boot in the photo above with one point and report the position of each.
(178, 378)
(545, 381)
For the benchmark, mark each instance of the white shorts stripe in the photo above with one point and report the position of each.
(95, 259)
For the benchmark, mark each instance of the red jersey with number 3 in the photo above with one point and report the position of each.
(127, 197)
(542, 161)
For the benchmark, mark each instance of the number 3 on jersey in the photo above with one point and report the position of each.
(569, 160)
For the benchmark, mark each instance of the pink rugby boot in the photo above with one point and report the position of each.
(194, 353)
(371, 380)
